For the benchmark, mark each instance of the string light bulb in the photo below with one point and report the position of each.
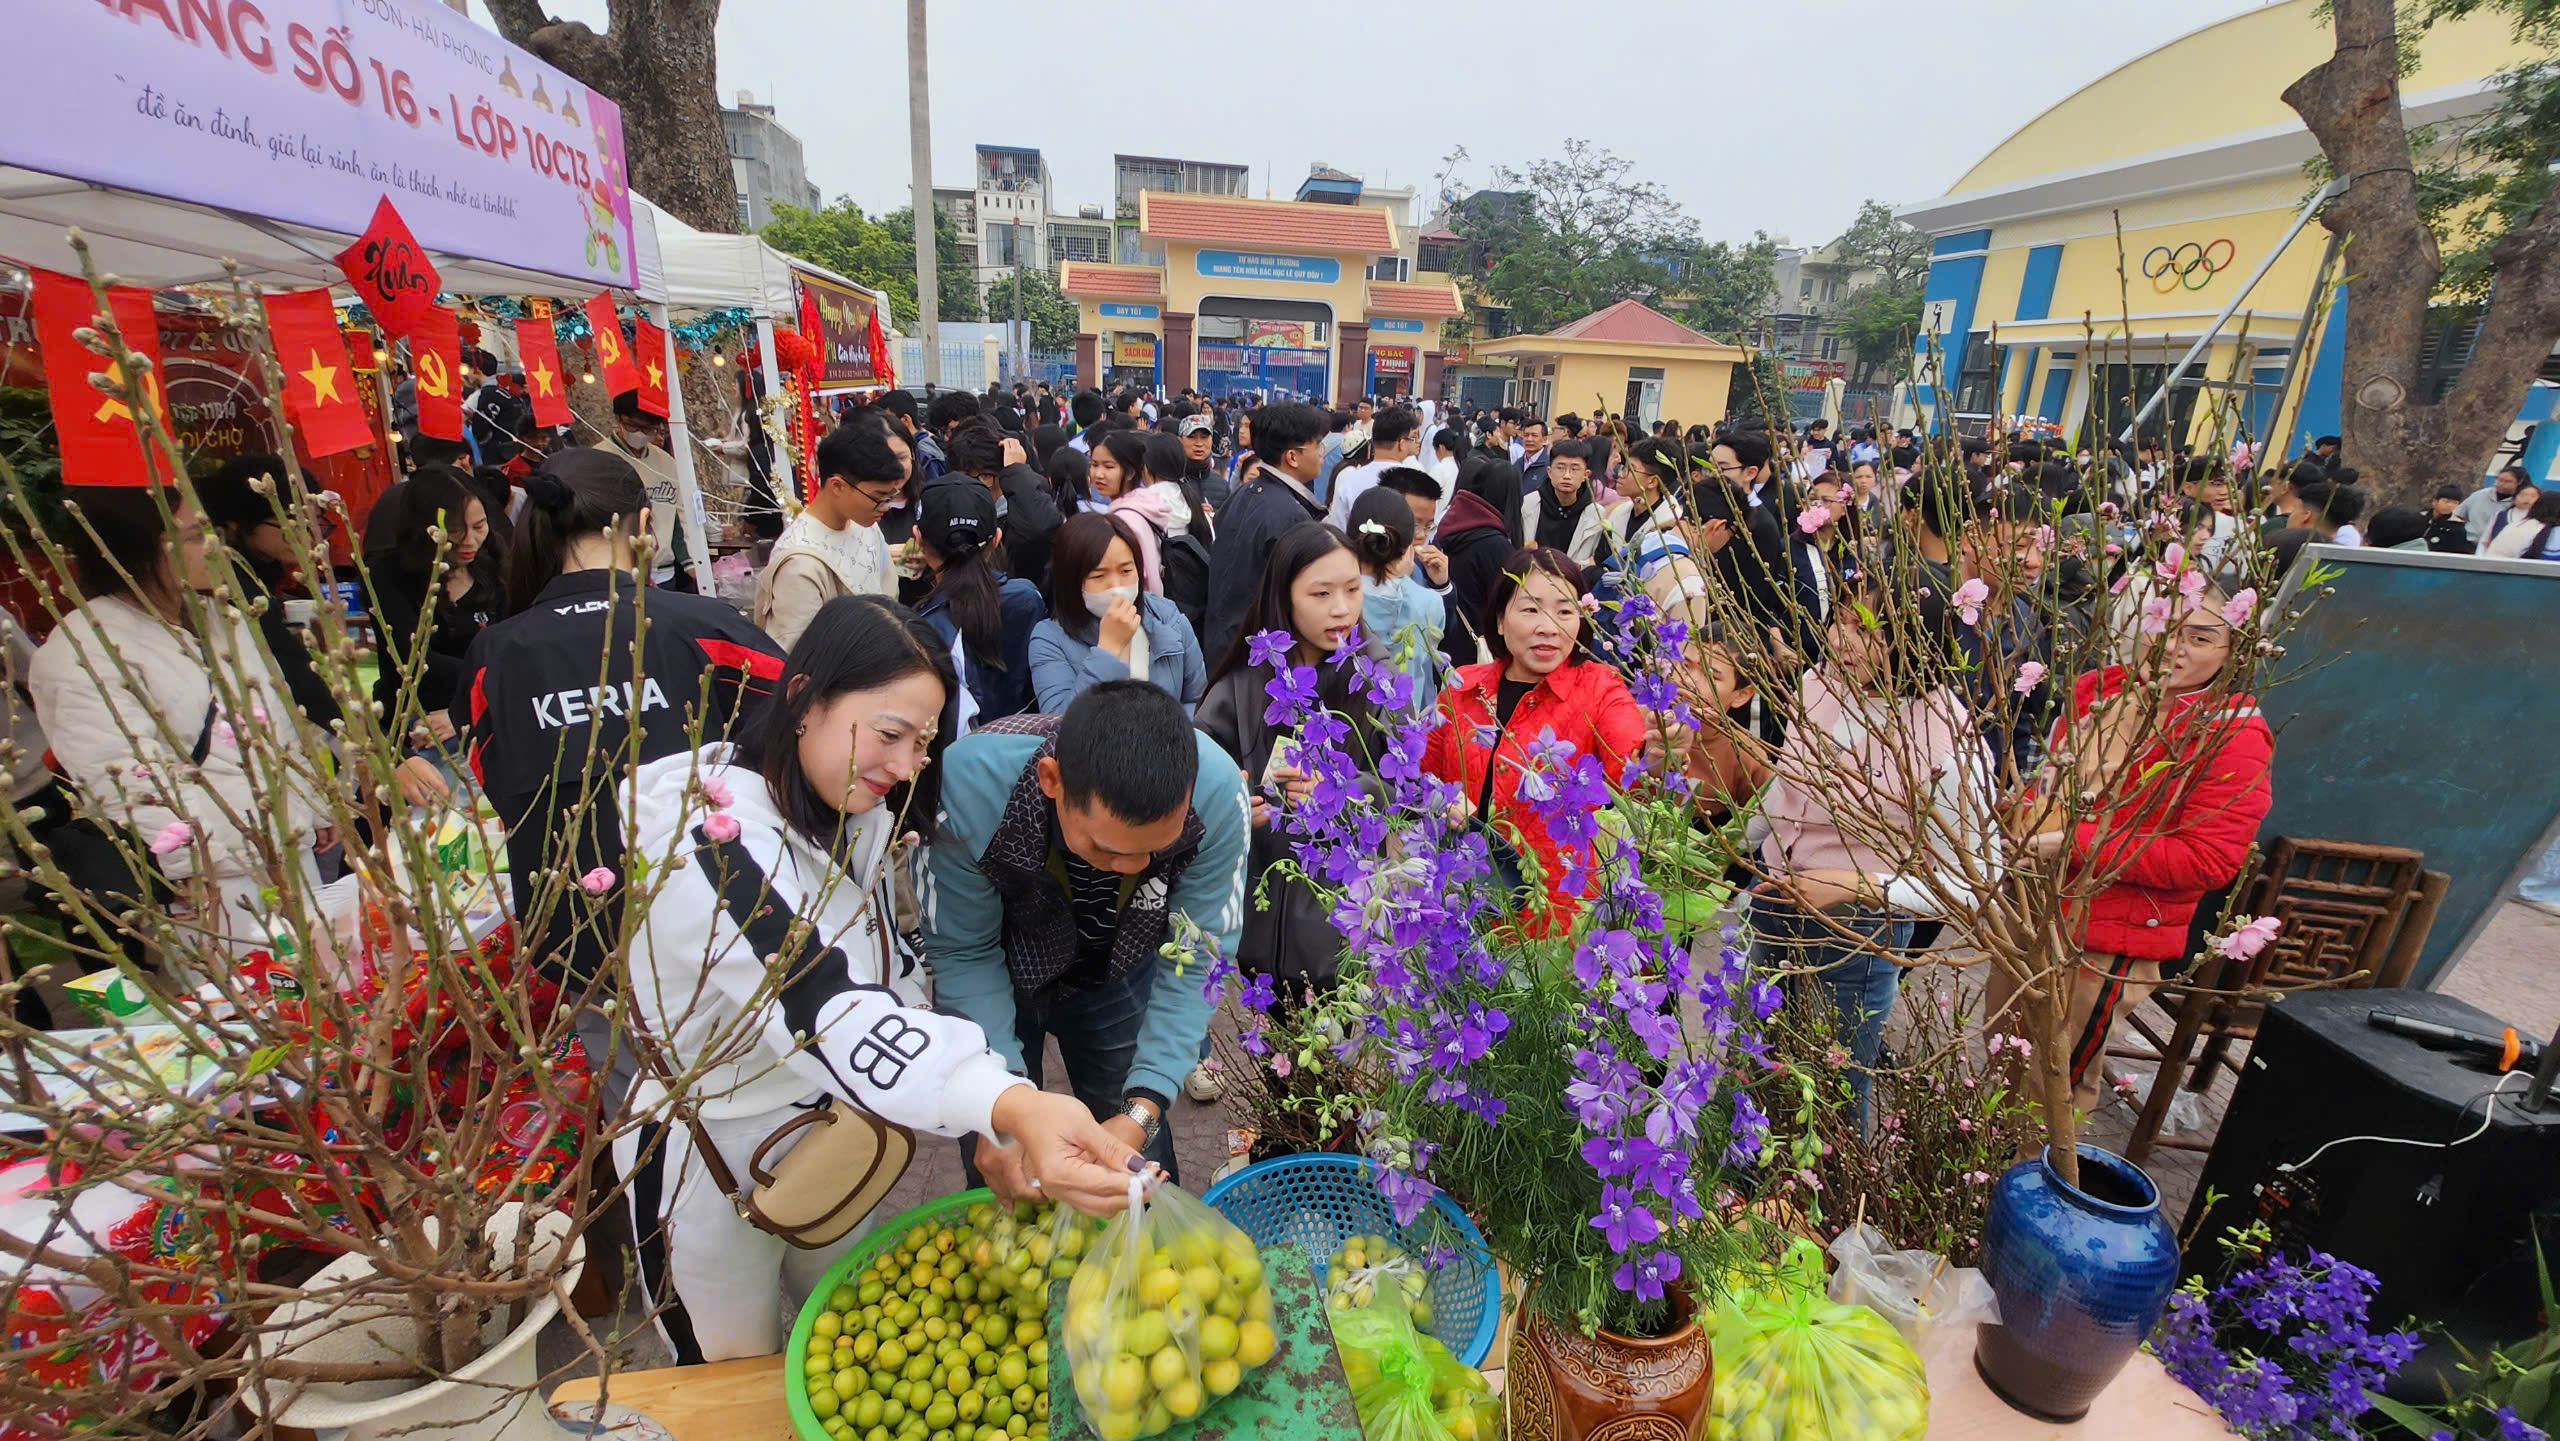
(590, 377)
(719, 358)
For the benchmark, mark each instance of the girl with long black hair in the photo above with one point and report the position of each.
(1311, 590)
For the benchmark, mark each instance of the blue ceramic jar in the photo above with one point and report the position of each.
(2082, 1274)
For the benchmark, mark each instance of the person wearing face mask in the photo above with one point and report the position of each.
(1102, 624)
(641, 438)
(833, 546)
(767, 964)
(1311, 590)
(1541, 683)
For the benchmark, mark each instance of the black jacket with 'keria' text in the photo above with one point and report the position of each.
(547, 705)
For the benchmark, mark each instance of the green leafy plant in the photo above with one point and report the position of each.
(2513, 1385)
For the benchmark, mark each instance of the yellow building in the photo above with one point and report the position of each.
(1270, 297)
(1629, 359)
(2074, 265)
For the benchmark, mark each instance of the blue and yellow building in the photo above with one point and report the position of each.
(2077, 262)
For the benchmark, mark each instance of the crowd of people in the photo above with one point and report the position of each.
(995, 718)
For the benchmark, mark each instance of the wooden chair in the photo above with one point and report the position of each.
(2350, 914)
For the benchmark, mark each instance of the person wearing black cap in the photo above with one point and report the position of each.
(983, 615)
(642, 439)
(556, 699)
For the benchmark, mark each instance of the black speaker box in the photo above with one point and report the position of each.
(2449, 1233)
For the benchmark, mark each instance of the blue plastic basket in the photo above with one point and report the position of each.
(1319, 1200)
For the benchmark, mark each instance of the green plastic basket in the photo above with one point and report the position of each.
(883, 1237)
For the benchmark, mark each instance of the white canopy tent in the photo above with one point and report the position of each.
(681, 268)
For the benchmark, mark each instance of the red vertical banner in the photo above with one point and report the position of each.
(435, 359)
(391, 272)
(544, 383)
(649, 351)
(94, 430)
(613, 353)
(321, 391)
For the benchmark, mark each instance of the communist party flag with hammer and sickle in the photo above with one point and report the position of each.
(613, 353)
(95, 430)
(544, 384)
(321, 389)
(649, 347)
(435, 348)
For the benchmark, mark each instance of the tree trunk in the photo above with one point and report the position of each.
(2404, 444)
(656, 60)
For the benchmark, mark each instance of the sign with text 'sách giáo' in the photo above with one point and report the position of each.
(310, 111)
(1257, 265)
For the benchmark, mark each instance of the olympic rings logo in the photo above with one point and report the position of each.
(2190, 265)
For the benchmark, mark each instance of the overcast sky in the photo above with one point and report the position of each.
(1754, 116)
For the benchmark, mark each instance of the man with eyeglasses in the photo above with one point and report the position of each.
(834, 546)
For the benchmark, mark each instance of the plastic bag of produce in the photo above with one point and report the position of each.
(1405, 1384)
(1792, 1363)
(1916, 1290)
(1165, 1314)
(1369, 1267)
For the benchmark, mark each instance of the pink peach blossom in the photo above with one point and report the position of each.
(2237, 610)
(1813, 518)
(2030, 675)
(2251, 937)
(716, 792)
(720, 826)
(598, 881)
(1969, 598)
(172, 837)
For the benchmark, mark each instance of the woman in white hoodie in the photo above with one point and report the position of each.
(148, 692)
(767, 867)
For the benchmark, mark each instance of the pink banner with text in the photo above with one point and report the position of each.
(310, 111)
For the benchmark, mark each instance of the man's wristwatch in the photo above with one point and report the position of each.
(1149, 1119)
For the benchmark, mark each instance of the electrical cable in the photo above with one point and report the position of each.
(2486, 1117)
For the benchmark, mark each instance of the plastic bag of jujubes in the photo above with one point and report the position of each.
(1167, 1312)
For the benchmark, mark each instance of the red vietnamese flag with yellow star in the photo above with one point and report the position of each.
(321, 389)
(94, 431)
(613, 353)
(649, 352)
(544, 382)
(435, 349)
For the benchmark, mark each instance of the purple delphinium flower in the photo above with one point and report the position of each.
(1622, 1221)
(1645, 1277)
(2281, 1348)
(1268, 647)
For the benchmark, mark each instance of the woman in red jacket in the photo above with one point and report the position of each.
(1543, 683)
(2177, 779)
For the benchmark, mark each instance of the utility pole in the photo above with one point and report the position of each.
(1023, 360)
(920, 162)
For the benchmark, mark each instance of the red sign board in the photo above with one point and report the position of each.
(1395, 360)
(1815, 374)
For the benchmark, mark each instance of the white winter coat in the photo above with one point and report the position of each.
(124, 733)
(723, 961)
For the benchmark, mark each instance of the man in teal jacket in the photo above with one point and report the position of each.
(1066, 846)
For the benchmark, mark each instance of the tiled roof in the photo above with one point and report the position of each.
(1393, 297)
(1265, 224)
(1111, 282)
(1632, 321)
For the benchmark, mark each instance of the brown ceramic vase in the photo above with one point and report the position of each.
(1564, 1386)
